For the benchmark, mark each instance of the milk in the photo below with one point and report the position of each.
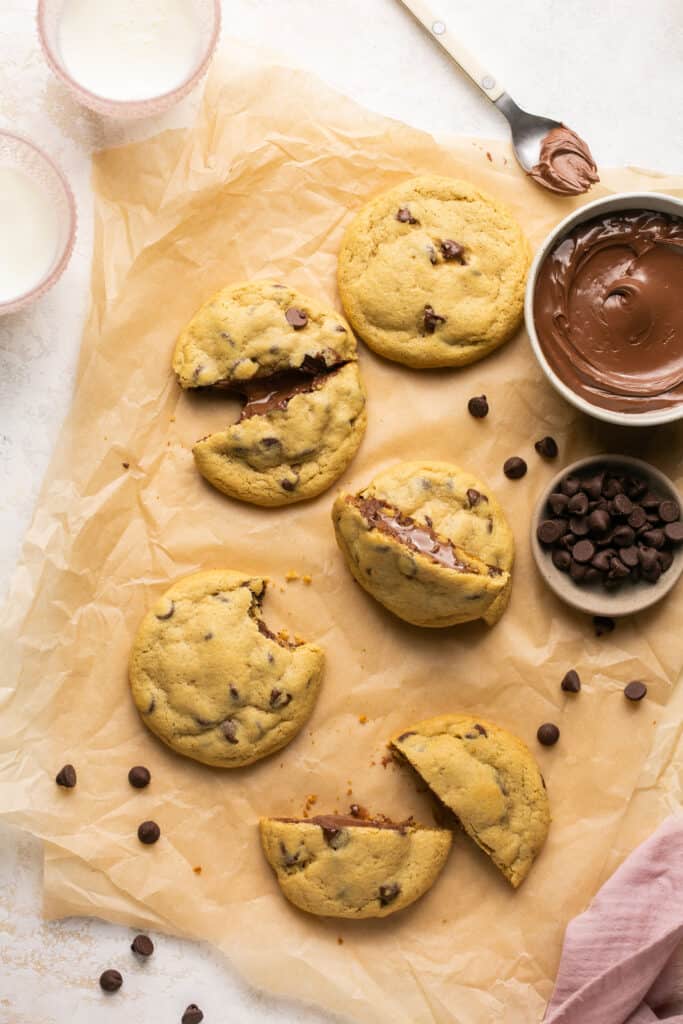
(29, 233)
(129, 49)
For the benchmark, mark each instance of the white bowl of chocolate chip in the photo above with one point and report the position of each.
(603, 310)
(607, 535)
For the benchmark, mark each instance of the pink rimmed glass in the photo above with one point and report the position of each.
(208, 14)
(22, 155)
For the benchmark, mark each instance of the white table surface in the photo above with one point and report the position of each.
(611, 69)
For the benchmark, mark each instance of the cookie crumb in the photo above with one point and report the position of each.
(291, 576)
(307, 580)
(489, 157)
(340, 941)
(126, 465)
(197, 870)
(362, 719)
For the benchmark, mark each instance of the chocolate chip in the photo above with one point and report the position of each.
(561, 560)
(593, 486)
(571, 682)
(388, 893)
(579, 526)
(635, 690)
(148, 832)
(599, 522)
(335, 838)
(666, 559)
(570, 485)
(279, 698)
(669, 511)
(629, 556)
(473, 497)
(674, 532)
(578, 503)
(592, 575)
(583, 551)
(654, 538)
(618, 570)
(110, 981)
(514, 468)
(229, 730)
(557, 503)
(405, 216)
(611, 488)
(637, 518)
(432, 320)
(548, 734)
(234, 692)
(650, 501)
(66, 777)
(602, 561)
(142, 945)
(623, 536)
(603, 624)
(139, 777)
(577, 571)
(621, 505)
(480, 729)
(478, 407)
(647, 557)
(550, 530)
(433, 258)
(288, 485)
(296, 318)
(192, 1015)
(166, 614)
(547, 448)
(452, 251)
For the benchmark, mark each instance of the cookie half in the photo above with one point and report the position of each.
(432, 273)
(341, 866)
(210, 679)
(490, 781)
(294, 364)
(430, 542)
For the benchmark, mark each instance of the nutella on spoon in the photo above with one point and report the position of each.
(608, 313)
(565, 163)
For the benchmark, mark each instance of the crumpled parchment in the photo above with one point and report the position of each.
(263, 185)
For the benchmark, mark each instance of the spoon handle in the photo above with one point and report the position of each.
(437, 28)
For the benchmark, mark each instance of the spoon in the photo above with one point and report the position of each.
(529, 131)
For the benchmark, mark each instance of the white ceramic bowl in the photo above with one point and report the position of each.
(592, 598)
(23, 155)
(622, 201)
(209, 21)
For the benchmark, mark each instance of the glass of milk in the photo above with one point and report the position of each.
(37, 222)
(129, 58)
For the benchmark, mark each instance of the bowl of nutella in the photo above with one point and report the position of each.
(603, 308)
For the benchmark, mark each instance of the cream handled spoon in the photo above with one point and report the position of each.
(553, 155)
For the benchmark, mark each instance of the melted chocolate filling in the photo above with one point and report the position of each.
(266, 394)
(414, 535)
(330, 822)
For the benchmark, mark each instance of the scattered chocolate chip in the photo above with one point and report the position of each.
(296, 318)
(279, 698)
(126, 465)
(478, 407)
(388, 893)
(570, 485)
(192, 1015)
(578, 504)
(571, 682)
(547, 448)
(148, 832)
(432, 319)
(142, 945)
(550, 530)
(635, 690)
(405, 216)
(452, 251)
(139, 777)
(229, 730)
(603, 624)
(548, 734)
(669, 511)
(66, 777)
(514, 468)
(110, 981)
(583, 551)
(674, 532)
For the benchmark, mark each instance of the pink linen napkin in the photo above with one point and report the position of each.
(622, 960)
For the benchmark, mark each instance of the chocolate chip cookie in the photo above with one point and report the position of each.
(432, 273)
(294, 365)
(429, 542)
(489, 779)
(212, 681)
(341, 866)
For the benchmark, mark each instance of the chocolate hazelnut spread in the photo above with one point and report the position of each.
(411, 533)
(565, 164)
(608, 310)
(339, 821)
(270, 393)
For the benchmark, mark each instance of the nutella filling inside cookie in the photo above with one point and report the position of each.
(336, 822)
(418, 536)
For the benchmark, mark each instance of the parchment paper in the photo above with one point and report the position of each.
(263, 186)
